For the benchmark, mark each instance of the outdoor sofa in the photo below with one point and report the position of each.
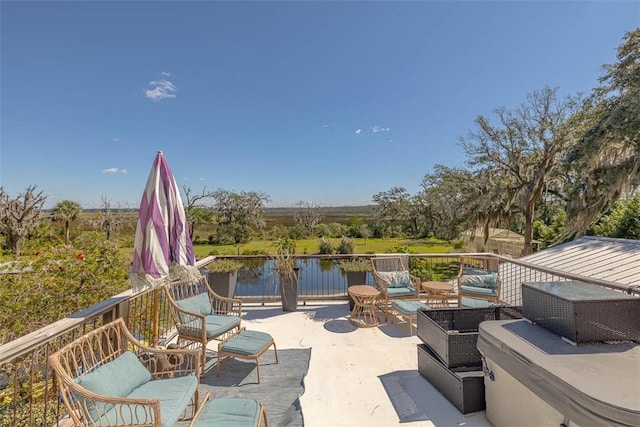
(108, 378)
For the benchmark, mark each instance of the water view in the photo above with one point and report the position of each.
(317, 277)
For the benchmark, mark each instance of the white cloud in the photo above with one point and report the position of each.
(358, 131)
(164, 73)
(377, 129)
(116, 139)
(161, 89)
(112, 171)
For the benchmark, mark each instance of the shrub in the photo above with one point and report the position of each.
(346, 246)
(457, 244)
(359, 264)
(59, 280)
(224, 266)
(325, 246)
(254, 252)
(336, 229)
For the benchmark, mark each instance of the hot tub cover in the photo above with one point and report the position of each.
(597, 384)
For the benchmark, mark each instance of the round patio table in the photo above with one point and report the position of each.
(437, 292)
(364, 311)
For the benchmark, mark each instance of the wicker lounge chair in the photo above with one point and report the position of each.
(394, 282)
(108, 378)
(201, 315)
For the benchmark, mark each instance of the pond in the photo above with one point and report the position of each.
(317, 278)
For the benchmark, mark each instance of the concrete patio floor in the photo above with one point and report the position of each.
(342, 386)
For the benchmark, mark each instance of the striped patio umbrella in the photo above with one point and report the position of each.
(163, 250)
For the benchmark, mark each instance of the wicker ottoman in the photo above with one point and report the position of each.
(245, 345)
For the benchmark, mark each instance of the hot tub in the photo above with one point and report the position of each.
(534, 378)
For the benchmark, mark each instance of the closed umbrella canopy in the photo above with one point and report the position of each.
(162, 250)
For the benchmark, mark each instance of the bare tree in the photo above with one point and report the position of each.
(307, 215)
(20, 216)
(520, 155)
(194, 208)
(108, 219)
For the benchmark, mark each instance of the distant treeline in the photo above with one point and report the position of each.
(327, 210)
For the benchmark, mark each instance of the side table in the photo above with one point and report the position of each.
(437, 292)
(364, 311)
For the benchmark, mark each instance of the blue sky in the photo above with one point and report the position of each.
(325, 102)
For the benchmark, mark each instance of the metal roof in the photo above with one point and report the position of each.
(615, 260)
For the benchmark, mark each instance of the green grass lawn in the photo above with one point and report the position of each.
(311, 246)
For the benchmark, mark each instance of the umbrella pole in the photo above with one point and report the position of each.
(156, 317)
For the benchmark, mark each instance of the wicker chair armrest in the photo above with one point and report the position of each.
(171, 362)
(224, 305)
(416, 282)
(163, 362)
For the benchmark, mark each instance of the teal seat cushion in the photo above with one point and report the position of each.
(117, 378)
(488, 281)
(401, 291)
(475, 303)
(230, 412)
(196, 304)
(248, 343)
(478, 291)
(174, 394)
(215, 325)
(410, 307)
(396, 279)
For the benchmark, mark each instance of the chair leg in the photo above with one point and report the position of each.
(204, 360)
(263, 415)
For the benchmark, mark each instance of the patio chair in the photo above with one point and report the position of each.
(201, 315)
(477, 288)
(108, 378)
(394, 282)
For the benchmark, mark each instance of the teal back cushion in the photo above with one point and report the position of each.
(474, 271)
(488, 281)
(396, 279)
(117, 378)
(197, 304)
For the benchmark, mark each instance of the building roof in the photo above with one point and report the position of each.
(614, 260)
(494, 233)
